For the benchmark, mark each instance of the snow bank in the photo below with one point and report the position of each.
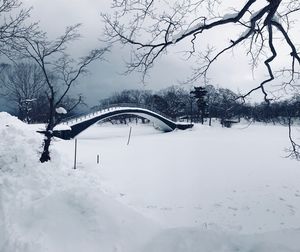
(50, 207)
(16, 137)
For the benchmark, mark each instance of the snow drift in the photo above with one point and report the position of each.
(51, 207)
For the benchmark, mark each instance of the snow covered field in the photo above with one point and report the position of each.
(205, 189)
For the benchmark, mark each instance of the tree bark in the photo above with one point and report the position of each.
(45, 157)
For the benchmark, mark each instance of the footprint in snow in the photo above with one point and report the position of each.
(166, 208)
(291, 209)
(233, 208)
(217, 205)
(151, 207)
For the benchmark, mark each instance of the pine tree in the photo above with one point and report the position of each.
(200, 94)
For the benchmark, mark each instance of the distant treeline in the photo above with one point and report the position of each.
(179, 104)
(174, 102)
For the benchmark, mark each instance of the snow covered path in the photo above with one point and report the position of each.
(233, 179)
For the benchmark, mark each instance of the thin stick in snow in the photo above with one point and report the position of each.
(75, 154)
(98, 159)
(129, 136)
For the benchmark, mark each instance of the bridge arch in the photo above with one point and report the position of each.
(79, 124)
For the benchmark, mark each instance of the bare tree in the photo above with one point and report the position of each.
(23, 84)
(13, 23)
(171, 101)
(154, 27)
(60, 72)
(295, 147)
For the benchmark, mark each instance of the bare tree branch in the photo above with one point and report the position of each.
(60, 71)
(154, 27)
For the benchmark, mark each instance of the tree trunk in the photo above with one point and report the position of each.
(45, 157)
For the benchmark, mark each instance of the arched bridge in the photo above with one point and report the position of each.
(79, 124)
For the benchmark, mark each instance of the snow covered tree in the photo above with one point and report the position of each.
(227, 105)
(212, 102)
(200, 94)
(60, 71)
(171, 101)
(153, 27)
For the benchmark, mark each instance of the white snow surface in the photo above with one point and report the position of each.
(230, 15)
(195, 27)
(206, 189)
(61, 110)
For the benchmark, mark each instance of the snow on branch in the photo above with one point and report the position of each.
(61, 110)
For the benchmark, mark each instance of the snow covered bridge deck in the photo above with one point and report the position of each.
(78, 124)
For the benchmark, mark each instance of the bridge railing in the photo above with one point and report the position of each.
(135, 105)
(103, 108)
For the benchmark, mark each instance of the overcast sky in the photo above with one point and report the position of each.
(104, 77)
(231, 71)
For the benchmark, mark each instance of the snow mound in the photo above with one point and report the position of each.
(51, 207)
(61, 110)
(19, 144)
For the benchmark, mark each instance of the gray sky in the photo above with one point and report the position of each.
(104, 77)
(231, 71)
